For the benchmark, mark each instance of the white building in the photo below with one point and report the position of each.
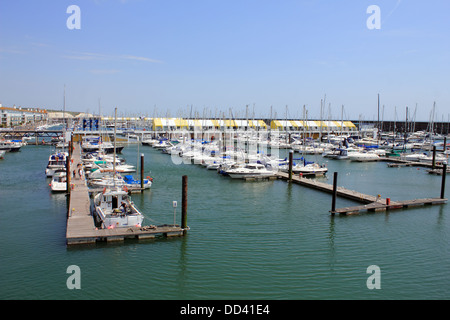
(18, 116)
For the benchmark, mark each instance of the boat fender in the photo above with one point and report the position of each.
(125, 188)
(104, 189)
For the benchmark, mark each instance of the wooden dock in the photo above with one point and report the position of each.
(394, 162)
(372, 203)
(325, 187)
(81, 228)
(379, 206)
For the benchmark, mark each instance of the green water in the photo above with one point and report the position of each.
(248, 240)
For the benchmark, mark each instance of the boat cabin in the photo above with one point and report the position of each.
(112, 200)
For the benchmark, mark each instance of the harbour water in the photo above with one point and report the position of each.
(247, 240)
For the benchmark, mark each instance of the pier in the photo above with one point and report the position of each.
(325, 187)
(371, 203)
(81, 228)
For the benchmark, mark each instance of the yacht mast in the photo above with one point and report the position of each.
(114, 158)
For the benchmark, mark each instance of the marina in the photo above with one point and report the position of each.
(232, 222)
(224, 158)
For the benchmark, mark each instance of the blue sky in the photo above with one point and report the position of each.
(168, 57)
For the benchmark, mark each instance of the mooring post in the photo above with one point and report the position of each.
(142, 172)
(444, 173)
(184, 203)
(291, 154)
(433, 166)
(445, 144)
(68, 174)
(333, 201)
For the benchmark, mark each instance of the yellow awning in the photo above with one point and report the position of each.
(293, 123)
(275, 124)
(157, 123)
(230, 123)
(349, 124)
(181, 123)
(216, 123)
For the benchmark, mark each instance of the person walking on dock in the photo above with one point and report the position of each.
(80, 173)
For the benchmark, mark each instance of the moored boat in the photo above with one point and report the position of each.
(56, 161)
(250, 170)
(114, 209)
(59, 181)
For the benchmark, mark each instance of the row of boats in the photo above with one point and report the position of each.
(101, 169)
(239, 163)
(233, 161)
(113, 206)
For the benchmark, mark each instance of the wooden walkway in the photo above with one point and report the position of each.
(371, 203)
(379, 206)
(341, 192)
(80, 222)
(396, 162)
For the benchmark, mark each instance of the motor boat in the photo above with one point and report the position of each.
(114, 209)
(250, 170)
(105, 165)
(95, 144)
(363, 156)
(306, 169)
(10, 146)
(56, 161)
(59, 181)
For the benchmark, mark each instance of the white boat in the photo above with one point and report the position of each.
(363, 156)
(56, 161)
(114, 209)
(250, 170)
(119, 181)
(104, 165)
(162, 144)
(438, 159)
(94, 144)
(10, 146)
(2, 153)
(308, 169)
(414, 156)
(59, 181)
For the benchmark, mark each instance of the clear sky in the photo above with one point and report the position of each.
(209, 57)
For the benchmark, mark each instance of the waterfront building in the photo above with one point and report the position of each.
(14, 116)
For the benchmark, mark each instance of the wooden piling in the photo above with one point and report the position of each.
(68, 174)
(433, 166)
(444, 173)
(184, 203)
(142, 172)
(291, 153)
(333, 201)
